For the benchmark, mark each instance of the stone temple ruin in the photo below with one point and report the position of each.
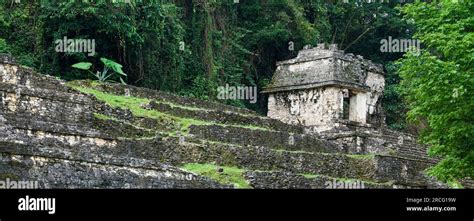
(324, 89)
(75, 135)
(334, 95)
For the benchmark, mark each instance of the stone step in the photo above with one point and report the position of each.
(173, 151)
(170, 150)
(467, 183)
(267, 138)
(411, 150)
(287, 180)
(53, 133)
(404, 171)
(24, 128)
(46, 173)
(224, 117)
(414, 154)
(67, 95)
(163, 97)
(419, 152)
(217, 116)
(389, 131)
(24, 77)
(418, 157)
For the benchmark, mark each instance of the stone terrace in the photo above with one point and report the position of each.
(85, 134)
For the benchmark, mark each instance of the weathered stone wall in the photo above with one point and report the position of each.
(48, 134)
(363, 139)
(310, 89)
(60, 173)
(284, 180)
(314, 107)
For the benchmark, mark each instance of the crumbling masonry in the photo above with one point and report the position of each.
(75, 135)
(324, 89)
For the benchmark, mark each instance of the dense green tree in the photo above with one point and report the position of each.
(191, 47)
(439, 83)
(19, 29)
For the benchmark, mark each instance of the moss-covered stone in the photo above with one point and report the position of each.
(222, 174)
(94, 135)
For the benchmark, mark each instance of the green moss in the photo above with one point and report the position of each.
(361, 156)
(253, 127)
(134, 104)
(310, 176)
(185, 123)
(95, 83)
(391, 151)
(230, 175)
(104, 117)
(182, 106)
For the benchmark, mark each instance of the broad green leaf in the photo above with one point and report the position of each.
(113, 65)
(82, 65)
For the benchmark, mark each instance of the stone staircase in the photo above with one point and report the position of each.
(406, 145)
(89, 135)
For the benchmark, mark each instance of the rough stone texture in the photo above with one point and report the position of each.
(49, 133)
(58, 173)
(272, 139)
(319, 106)
(337, 97)
(311, 89)
(360, 139)
(224, 117)
(123, 90)
(285, 180)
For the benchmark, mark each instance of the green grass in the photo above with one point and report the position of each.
(104, 117)
(134, 104)
(95, 84)
(183, 107)
(230, 175)
(310, 176)
(361, 156)
(185, 123)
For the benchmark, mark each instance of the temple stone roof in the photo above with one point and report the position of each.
(321, 66)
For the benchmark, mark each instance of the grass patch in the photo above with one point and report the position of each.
(253, 127)
(185, 123)
(104, 117)
(361, 156)
(134, 104)
(229, 175)
(183, 107)
(310, 176)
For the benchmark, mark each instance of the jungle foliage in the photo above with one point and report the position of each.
(191, 47)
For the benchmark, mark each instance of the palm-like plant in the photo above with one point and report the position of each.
(105, 74)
